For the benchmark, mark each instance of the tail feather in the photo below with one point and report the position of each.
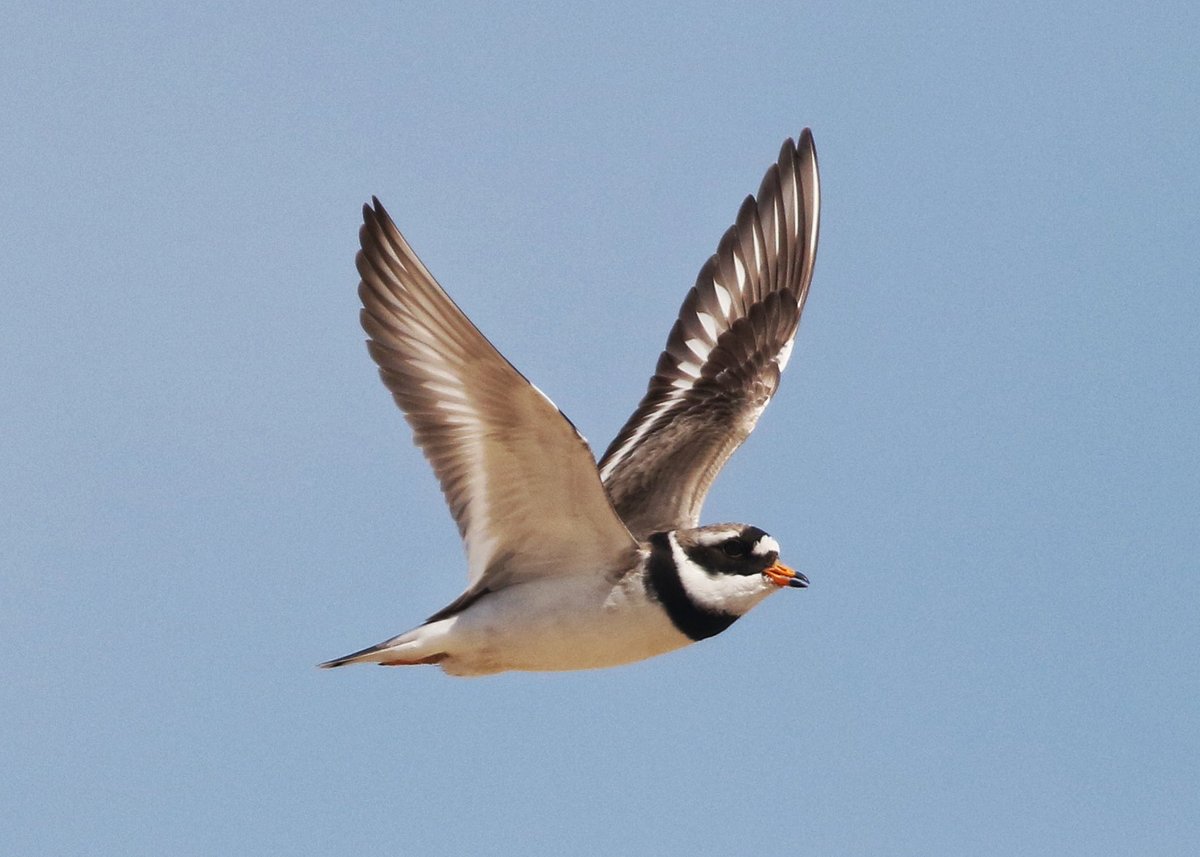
(407, 649)
(367, 655)
(426, 644)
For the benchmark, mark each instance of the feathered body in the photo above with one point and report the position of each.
(574, 565)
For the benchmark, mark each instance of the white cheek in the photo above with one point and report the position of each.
(733, 594)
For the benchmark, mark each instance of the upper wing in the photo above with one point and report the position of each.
(724, 355)
(519, 479)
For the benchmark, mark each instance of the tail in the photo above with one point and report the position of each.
(406, 650)
(371, 654)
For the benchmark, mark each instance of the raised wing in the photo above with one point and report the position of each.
(724, 355)
(519, 479)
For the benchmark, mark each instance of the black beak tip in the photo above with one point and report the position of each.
(798, 582)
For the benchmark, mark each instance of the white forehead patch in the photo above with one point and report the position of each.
(764, 546)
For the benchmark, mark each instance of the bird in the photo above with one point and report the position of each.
(576, 564)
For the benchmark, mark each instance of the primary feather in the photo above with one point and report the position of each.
(724, 355)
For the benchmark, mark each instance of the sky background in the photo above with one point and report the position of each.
(984, 453)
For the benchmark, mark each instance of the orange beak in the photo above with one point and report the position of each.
(781, 575)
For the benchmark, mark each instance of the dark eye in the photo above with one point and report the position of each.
(735, 547)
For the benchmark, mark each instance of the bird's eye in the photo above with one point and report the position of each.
(734, 547)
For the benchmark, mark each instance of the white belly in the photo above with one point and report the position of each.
(568, 623)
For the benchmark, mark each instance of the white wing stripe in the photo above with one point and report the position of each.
(700, 349)
(660, 467)
(509, 464)
(723, 298)
(758, 245)
(649, 423)
(785, 354)
(442, 374)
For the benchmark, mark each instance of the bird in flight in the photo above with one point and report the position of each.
(573, 564)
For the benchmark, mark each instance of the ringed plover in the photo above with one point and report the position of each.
(573, 564)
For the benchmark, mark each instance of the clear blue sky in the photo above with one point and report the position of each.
(984, 453)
